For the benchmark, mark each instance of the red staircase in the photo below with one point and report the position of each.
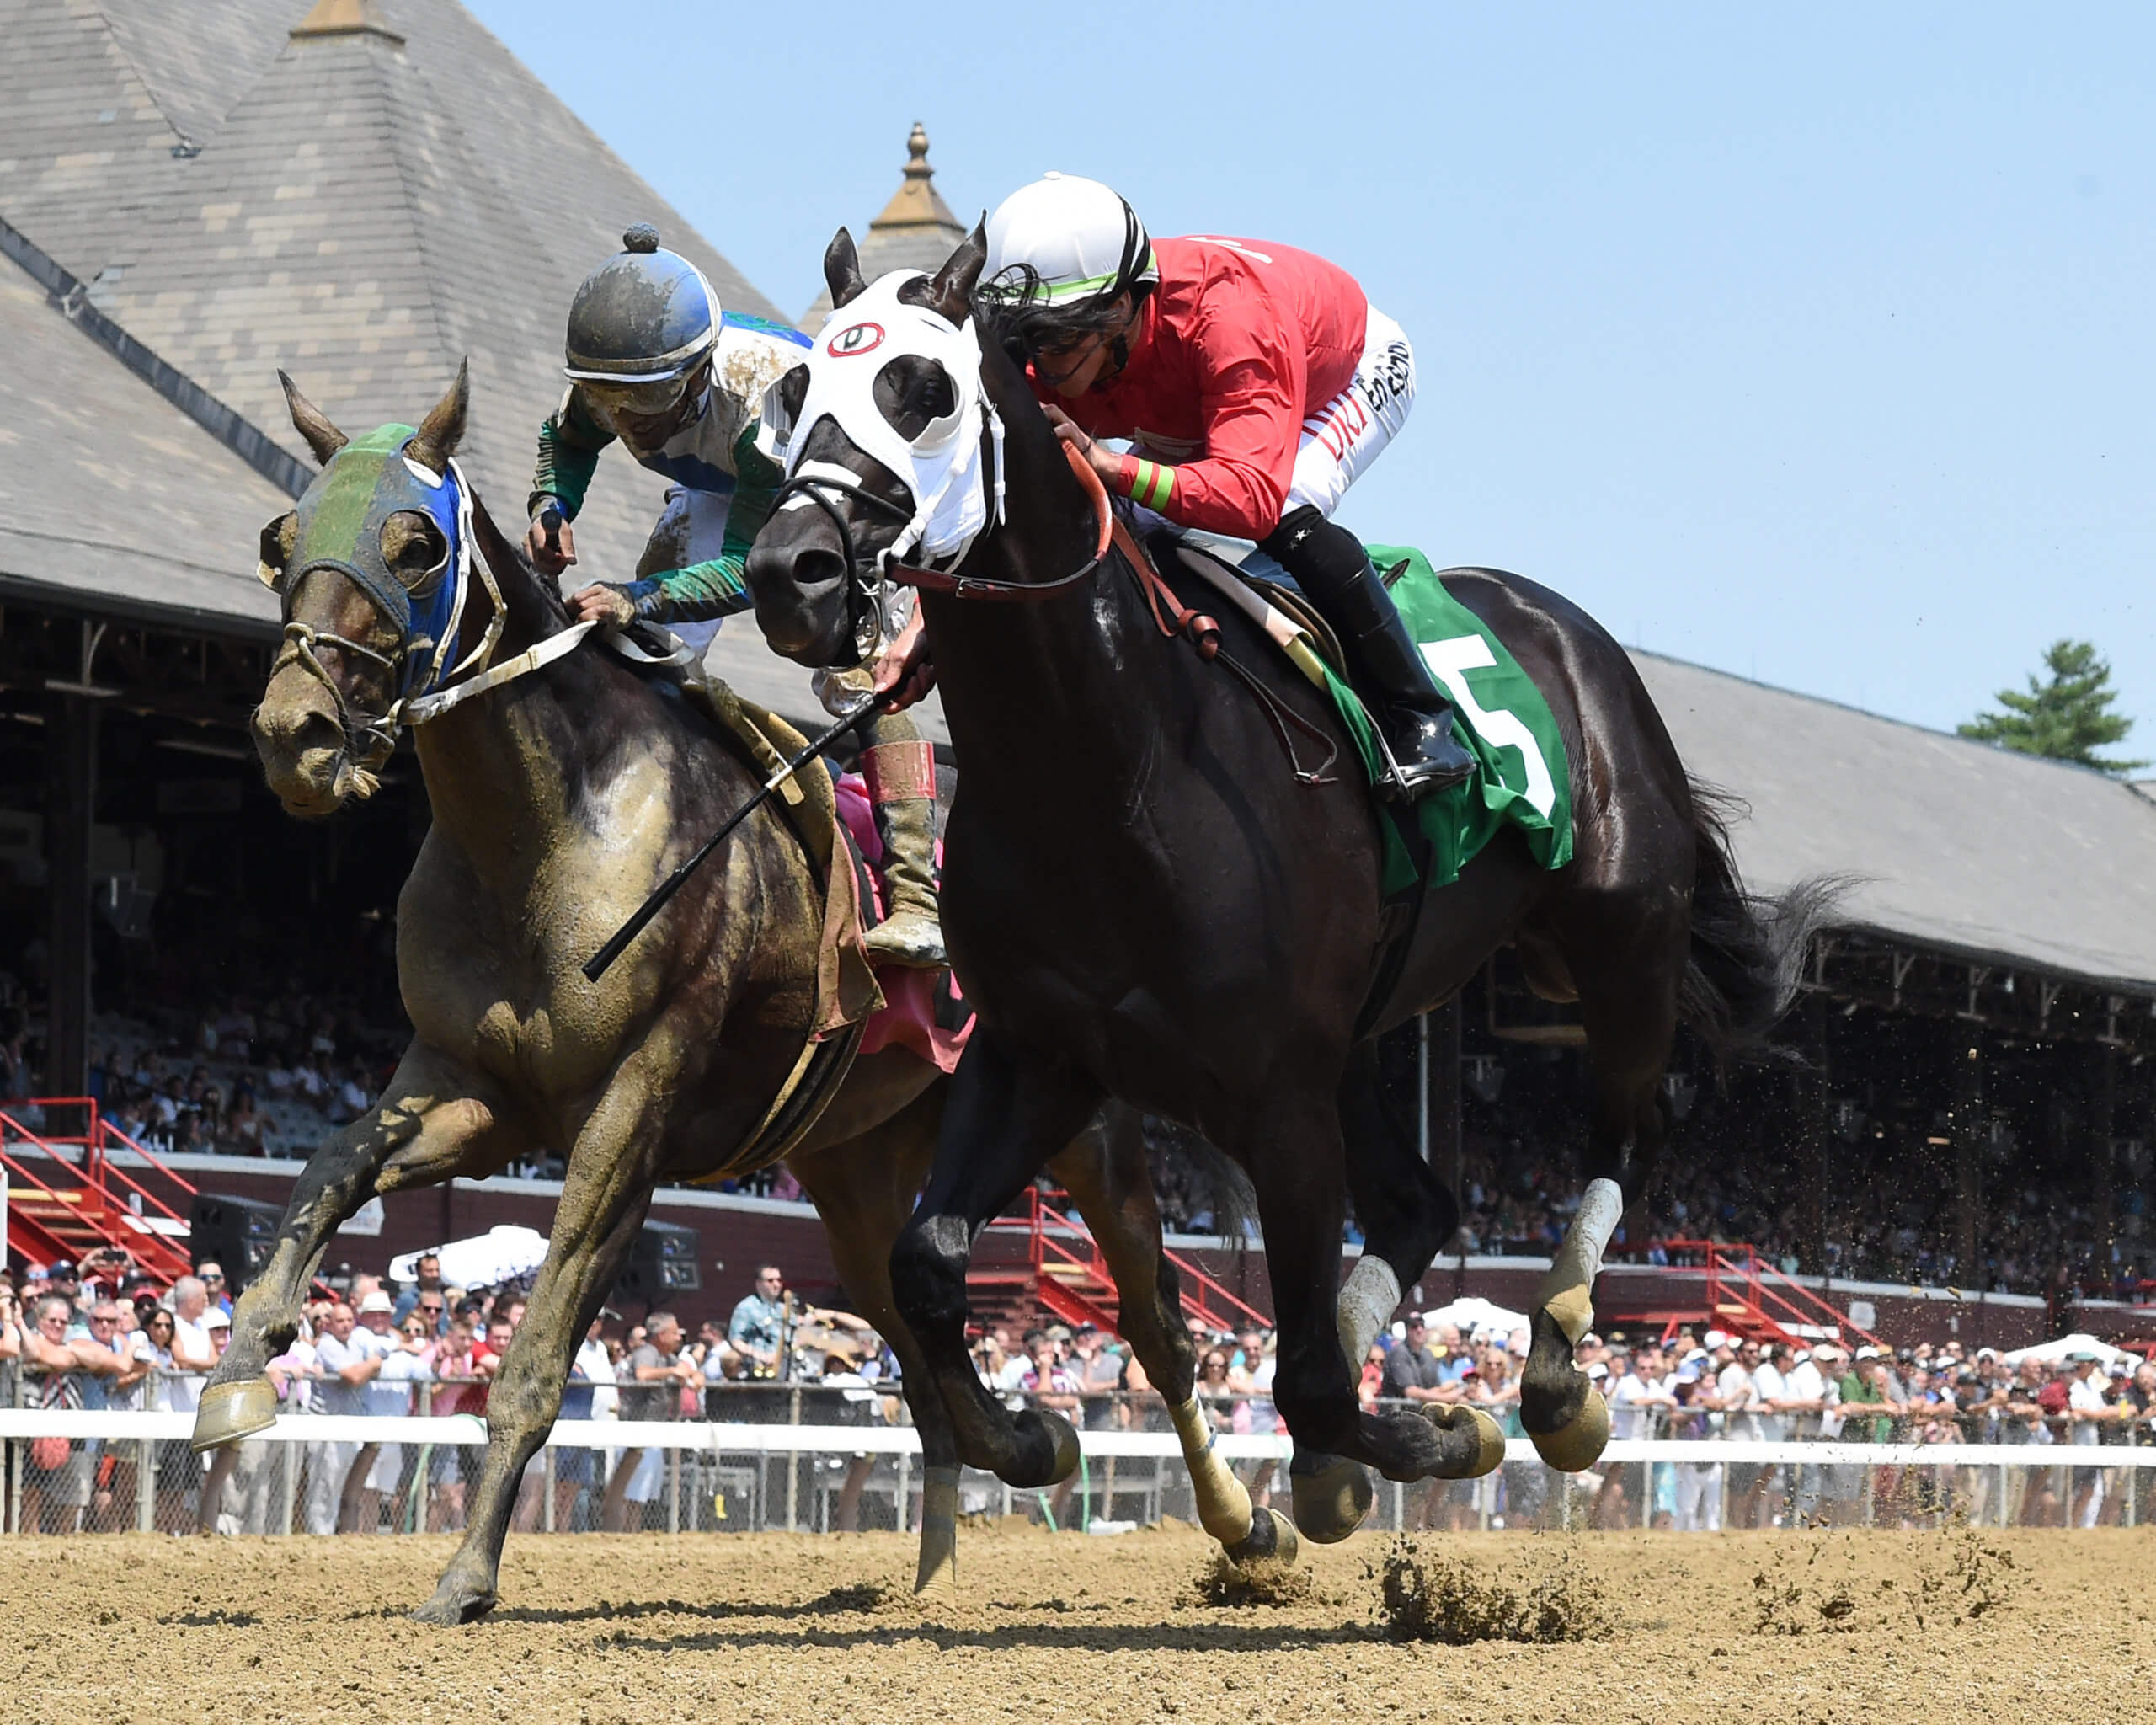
(1048, 1259)
(66, 1196)
(1748, 1296)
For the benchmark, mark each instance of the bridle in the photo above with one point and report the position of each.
(417, 656)
(371, 737)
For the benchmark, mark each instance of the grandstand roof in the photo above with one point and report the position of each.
(361, 191)
(1956, 845)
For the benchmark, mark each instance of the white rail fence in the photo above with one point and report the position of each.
(67, 1470)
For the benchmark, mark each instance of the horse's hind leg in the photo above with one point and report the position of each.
(1628, 1001)
(863, 1190)
(1105, 1172)
(1004, 1118)
(436, 1115)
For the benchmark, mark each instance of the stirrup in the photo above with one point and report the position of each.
(1406, 783)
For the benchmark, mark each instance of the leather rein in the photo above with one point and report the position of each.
(1171, 616)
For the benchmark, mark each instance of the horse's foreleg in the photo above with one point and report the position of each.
(1296, 1161)
(1407, 1214)
(435, 1112)
(863, 1189)
(1004, 1120)
(1107, 1173)
(605, 1194)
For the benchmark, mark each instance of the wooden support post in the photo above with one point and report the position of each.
(1971, 1132)
(70, 757)
(2103, 1173)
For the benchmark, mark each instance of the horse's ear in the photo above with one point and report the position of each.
(443, 428)
(951, 291)
(324, 439)
(842, 269)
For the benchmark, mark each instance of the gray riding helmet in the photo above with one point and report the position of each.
(644, 315)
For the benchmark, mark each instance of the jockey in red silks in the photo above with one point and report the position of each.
(1256, 384)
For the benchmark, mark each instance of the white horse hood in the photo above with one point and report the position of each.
(942, 469)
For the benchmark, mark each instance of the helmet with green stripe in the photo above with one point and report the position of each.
(1060, 252)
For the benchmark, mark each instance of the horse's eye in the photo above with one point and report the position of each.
(276, 549)
(413, 546)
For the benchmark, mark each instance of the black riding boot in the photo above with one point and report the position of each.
(1331, 566)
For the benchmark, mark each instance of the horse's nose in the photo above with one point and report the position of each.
(300, 746)
(293, 729)
(800, 598)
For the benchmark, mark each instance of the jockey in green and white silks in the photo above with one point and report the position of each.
(652, 361)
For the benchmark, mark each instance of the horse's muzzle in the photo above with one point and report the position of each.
(800, 598)
(302, 751)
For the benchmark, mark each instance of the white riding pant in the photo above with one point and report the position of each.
(1342, 438)
(692, 528)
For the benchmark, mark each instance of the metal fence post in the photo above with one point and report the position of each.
(673, 1489)
(793, 1466)
(145, 1486)
(546, 1489)
(294, 1458)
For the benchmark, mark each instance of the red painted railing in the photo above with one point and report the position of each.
(109, 1207)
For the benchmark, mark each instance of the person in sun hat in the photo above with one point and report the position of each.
(655, 363)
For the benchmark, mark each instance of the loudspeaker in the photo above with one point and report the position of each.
(239, 1233)
(661, 1264)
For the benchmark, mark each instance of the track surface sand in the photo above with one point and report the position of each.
(1868, 1628)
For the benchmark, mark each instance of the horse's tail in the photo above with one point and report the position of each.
(1748, 950)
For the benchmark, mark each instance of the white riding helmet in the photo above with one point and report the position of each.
(1065, 241)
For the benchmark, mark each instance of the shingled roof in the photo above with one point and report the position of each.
(360, 191)
(1990, 855)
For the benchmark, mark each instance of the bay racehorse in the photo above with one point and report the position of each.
(560, 798)
(1146, 903)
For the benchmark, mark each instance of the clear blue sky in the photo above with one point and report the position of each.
(1810, 343)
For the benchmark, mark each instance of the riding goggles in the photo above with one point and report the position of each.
(643, 398)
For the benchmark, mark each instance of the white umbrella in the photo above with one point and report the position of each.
(2050, 1353)
(502, 1253)
(1473, 1313)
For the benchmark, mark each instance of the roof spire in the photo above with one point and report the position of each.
(915, 203)
(343, 17)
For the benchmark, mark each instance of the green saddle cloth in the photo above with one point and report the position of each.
(1501, 719)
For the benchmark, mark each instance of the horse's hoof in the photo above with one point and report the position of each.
(1332, 1494)
(1489, 1437)
(454, 1605)
(1271, 1535)
(230, 1411)
(1046, 1451)
(1577, 1444)
(937, 1577)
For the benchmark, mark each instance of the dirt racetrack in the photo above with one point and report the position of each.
(1776, 1628)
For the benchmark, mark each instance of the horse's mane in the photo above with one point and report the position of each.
(514, 571)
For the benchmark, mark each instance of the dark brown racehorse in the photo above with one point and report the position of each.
(1146, 905)
(560, 800)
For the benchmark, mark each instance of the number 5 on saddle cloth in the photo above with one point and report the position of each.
(1521, 777)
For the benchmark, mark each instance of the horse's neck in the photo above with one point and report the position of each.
(504, 770)
(1069, 678)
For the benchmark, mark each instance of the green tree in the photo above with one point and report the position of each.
(2065, 717)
